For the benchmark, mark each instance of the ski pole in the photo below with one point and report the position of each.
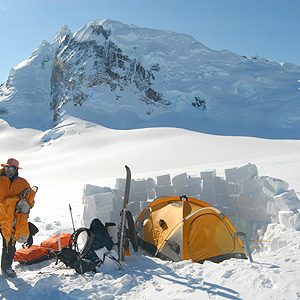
(70, 208)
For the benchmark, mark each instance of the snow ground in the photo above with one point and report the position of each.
(61, 160)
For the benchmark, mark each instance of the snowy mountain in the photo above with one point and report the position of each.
(126, 77)
(123, 77)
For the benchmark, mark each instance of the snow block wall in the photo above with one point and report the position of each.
(250, 201)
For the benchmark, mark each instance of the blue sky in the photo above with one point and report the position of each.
(268, 28)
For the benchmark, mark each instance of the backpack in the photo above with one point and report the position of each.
(86, 259)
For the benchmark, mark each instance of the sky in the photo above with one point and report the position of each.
(267, 28)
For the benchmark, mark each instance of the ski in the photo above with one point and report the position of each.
(122, 230)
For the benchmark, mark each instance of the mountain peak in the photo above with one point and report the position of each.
(63, 32)
(123, 76)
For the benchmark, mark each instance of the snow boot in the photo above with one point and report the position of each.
(9, 272)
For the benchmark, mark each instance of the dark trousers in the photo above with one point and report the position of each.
(8, 253)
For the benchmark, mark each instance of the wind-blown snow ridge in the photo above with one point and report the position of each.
(123, 76)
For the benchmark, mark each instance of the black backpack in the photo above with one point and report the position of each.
(86, 259)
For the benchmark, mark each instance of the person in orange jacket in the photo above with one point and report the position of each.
(16, 200)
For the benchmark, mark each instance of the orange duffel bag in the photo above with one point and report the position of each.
(45, 251)
(32, 255)
(52, 243)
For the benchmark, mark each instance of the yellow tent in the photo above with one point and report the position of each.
(181, 228)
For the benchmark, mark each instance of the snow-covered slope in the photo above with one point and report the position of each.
(122, 76)
(60, 161)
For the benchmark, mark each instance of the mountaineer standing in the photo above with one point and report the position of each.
(16, 200)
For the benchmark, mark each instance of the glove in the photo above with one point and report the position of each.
(33, 230)
(22, 207)
(28, 243)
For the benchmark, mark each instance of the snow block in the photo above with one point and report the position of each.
(138, 196)
(87, 216)
(135, 208)
(89, 190)
(151, 194)
(150, 182)
(246, 172)
(222, 200)
(163, 180)
(283, 217)
(231, 213)
(115, 216)
(117, 199)
(180, 180)
(138, 185)
(234, 188)
(97, 206)
(194, 189)
(245, 201)
(180, 191)
(209, 198)
(102, 201)
(208, 186)
(208, 175)
(294, 221)
(230, 175)
(90, 214)
(251, 185)
(260, 215)
(144, 204)
(233, 201)
(273, 186)
(193, 180)
(120, 184)
(220, 185)
(164, 191)
(259, 200)
(287, 201)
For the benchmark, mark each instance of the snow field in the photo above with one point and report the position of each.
(76, 153)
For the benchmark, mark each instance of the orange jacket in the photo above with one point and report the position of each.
(13, 225)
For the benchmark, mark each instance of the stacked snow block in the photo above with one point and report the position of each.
(261, 199)
(179, 185)
(163, 186)
(246, 203)
(97, 202)
(289, 209)
(283, 204)
(138, 196)
(245, 197)
(214, 189)
(194, 187)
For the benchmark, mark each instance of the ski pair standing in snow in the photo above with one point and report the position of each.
(16, 200)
